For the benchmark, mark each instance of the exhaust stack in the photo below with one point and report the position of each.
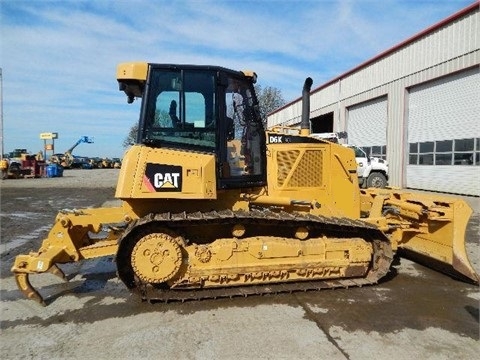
(305, 123)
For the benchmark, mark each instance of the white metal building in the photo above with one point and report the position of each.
(416, 104)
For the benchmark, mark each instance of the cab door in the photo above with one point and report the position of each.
(242, 138)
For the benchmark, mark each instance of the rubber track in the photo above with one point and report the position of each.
(383, 254)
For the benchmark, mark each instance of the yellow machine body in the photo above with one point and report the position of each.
(214, 206)
(320, 176)
(194, 179)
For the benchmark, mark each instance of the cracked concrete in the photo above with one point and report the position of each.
(414, 313)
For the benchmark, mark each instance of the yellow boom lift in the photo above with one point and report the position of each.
(213, 205)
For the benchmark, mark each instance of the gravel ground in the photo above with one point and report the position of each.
(414, 313)
(92, 179)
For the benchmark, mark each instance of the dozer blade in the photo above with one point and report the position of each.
(24, 285)
(431, 229)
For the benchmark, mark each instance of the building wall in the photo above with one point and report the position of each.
(443, 134)
(446, 48)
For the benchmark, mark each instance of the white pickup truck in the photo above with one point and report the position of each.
(372, 172)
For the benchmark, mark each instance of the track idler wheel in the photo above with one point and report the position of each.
(156, 258)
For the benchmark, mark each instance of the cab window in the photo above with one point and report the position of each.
(182, 109)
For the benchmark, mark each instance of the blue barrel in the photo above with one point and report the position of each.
(54, 170)
(51, 170)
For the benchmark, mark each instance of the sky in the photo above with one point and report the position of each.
(59, 58)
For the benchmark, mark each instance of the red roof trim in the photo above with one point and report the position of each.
(412, 39)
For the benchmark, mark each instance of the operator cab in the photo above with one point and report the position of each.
(207, 109)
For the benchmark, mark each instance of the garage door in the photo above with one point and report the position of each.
(444, 134)
(367, 126)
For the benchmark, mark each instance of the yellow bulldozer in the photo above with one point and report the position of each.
(213, 205)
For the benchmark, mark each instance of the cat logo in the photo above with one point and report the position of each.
(159, 177)
(166, 180)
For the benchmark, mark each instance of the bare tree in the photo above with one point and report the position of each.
(131, 137)
(162, 118)
(269, 99)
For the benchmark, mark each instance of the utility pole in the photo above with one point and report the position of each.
(1, 112)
